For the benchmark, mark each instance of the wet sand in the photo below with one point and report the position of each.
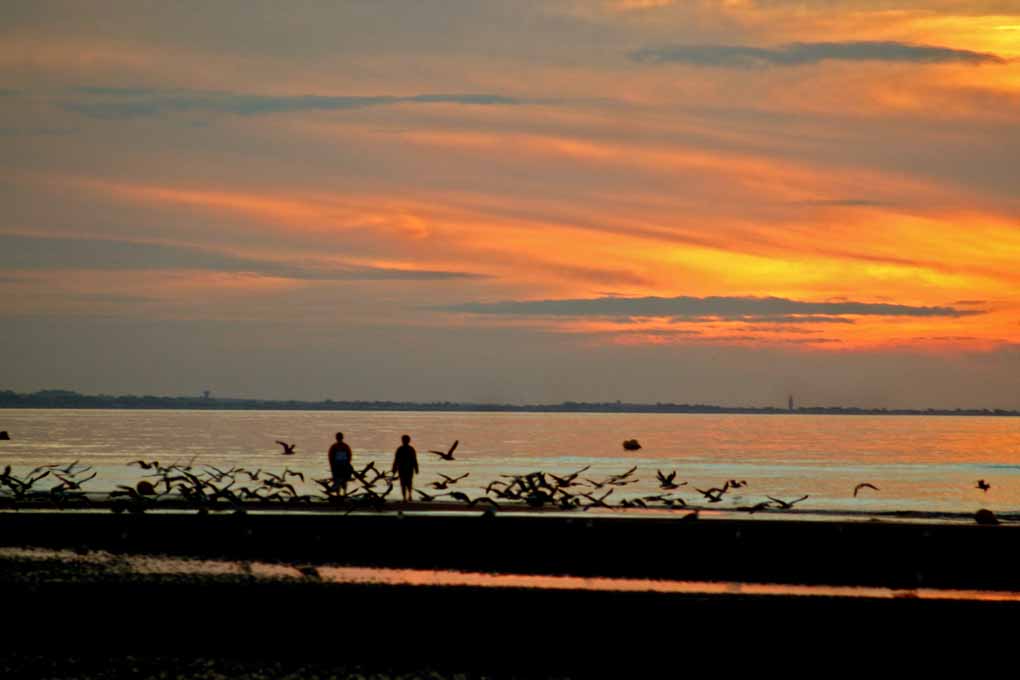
(858, 553)
(245, 615)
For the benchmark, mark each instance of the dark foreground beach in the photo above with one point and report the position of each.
(404, 593)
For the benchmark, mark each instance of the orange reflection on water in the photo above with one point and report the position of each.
(161, 565)
(423, 577)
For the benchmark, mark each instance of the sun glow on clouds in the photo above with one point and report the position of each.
(567, 257)
(806, 151)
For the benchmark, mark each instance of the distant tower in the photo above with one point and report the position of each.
(789, 403)
(205, 394)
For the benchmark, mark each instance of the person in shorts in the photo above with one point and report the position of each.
(340, 463)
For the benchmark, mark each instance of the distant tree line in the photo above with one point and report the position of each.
(71, 399)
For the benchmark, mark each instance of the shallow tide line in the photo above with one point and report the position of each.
(163, 565)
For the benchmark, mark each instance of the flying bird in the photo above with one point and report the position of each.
(288, 449)
(428, 498)
(864, 485)
(983, 485)
(622, 479)
(715, 494)
(73, 484)
(786, 505)
(459, 496)
(449, 454)
(666, 481)
(568, 480)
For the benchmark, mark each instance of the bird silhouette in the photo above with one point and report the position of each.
(253, 476)
(786, 505)
(73, 484)
(599, 502)
(715, 494)
(568, 480)
(70, 469)
(449, 454)
(622, 479)
(983, 485)
(666, 481)
(428, 498)
(288, 449)
(863, 485)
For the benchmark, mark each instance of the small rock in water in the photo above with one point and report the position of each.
(984, 516)
(631, 445)
(4, 436)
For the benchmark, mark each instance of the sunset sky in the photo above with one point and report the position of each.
(718, 201)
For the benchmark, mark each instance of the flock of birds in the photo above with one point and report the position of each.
(208, 487)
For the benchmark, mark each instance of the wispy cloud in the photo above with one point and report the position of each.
(31, 252)
(843, 203)
(112, 102)
(774, 309)
(802, 53)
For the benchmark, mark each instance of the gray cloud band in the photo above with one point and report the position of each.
(799, 54)
(766, 309)
(30, 252)
(106, 102)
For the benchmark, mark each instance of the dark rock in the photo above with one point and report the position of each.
(984, 516)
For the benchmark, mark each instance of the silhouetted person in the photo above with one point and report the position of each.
(405, 464)
(340, 463)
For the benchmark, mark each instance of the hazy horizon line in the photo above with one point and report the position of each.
(464, 405)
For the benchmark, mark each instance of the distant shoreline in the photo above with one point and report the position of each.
(63, 399)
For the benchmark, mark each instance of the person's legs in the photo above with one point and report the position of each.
(334, 478)
(405, 487)
(345, 477)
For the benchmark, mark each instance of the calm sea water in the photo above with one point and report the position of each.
(919, 463)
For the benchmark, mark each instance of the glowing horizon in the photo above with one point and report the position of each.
(346, 170)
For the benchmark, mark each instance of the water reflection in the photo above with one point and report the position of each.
(920, 463)
(170, 566)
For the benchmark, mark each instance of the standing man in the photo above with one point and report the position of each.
(340, 463)
(405, 464)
